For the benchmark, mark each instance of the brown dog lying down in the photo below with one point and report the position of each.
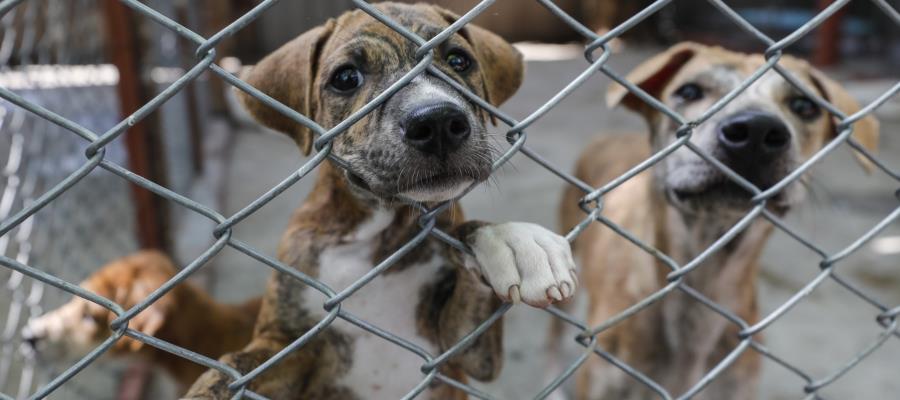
(683, 204)
(428, 143)
(186, 316)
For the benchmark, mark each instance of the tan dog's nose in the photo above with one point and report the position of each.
(30, 338)
(754, 137)
(438, 129)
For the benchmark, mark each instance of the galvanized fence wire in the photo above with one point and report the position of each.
(597, 53)
(44, 50)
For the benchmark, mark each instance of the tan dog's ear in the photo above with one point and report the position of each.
(287, 76)
(652, 76)
(865, 130)
(499, 61)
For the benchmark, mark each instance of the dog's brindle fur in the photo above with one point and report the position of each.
(350, 221)
(678, 341)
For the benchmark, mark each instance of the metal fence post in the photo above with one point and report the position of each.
(144, 151)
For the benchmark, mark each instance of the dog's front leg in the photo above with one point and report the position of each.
(521, 261)
(279, 323)
(469, 305)
(276, 383)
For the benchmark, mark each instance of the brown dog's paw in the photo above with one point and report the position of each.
(524, 262)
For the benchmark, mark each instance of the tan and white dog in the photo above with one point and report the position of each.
(683, 204)
(183, 317)
(426, 142)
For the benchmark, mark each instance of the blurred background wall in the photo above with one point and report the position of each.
(859, 30)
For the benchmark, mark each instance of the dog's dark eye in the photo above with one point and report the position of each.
(459, 61)
(346, 78)
(690, 92)
(804, 107)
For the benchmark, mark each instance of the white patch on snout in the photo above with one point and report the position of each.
(380, 369)
(423, 91)
(437, 194)
(524, 262)
(691, 177)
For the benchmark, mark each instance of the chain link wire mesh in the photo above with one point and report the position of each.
(99, 155)
(49, 54)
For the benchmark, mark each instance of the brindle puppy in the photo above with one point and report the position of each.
(428, 143)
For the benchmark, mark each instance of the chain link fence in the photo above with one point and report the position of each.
(50, 55)
(99, 157)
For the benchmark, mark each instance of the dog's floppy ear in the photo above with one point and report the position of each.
(652, 76)
(865, 130)
(287, 76)
(499, 61)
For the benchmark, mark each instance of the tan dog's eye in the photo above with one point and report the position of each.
(346, 79)
(690, 92)
(804, 107)
(458, 60)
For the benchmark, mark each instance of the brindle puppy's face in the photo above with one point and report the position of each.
(763, 134)
(427, 141)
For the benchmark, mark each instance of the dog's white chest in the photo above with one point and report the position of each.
(379, 369)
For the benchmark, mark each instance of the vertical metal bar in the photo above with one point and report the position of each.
(828, 47)
(217, 14)
(142, 153)
(142, 150)
(190, 93)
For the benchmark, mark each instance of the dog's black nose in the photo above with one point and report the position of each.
(437, 129)
(754, 137)
(30, 340)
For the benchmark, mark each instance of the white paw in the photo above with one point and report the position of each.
(524, 262)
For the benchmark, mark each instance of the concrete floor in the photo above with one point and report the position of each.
(821, 334)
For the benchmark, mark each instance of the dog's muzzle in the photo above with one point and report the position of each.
(752, 144)
(436, 129)
(755, 145)
(30, 339)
